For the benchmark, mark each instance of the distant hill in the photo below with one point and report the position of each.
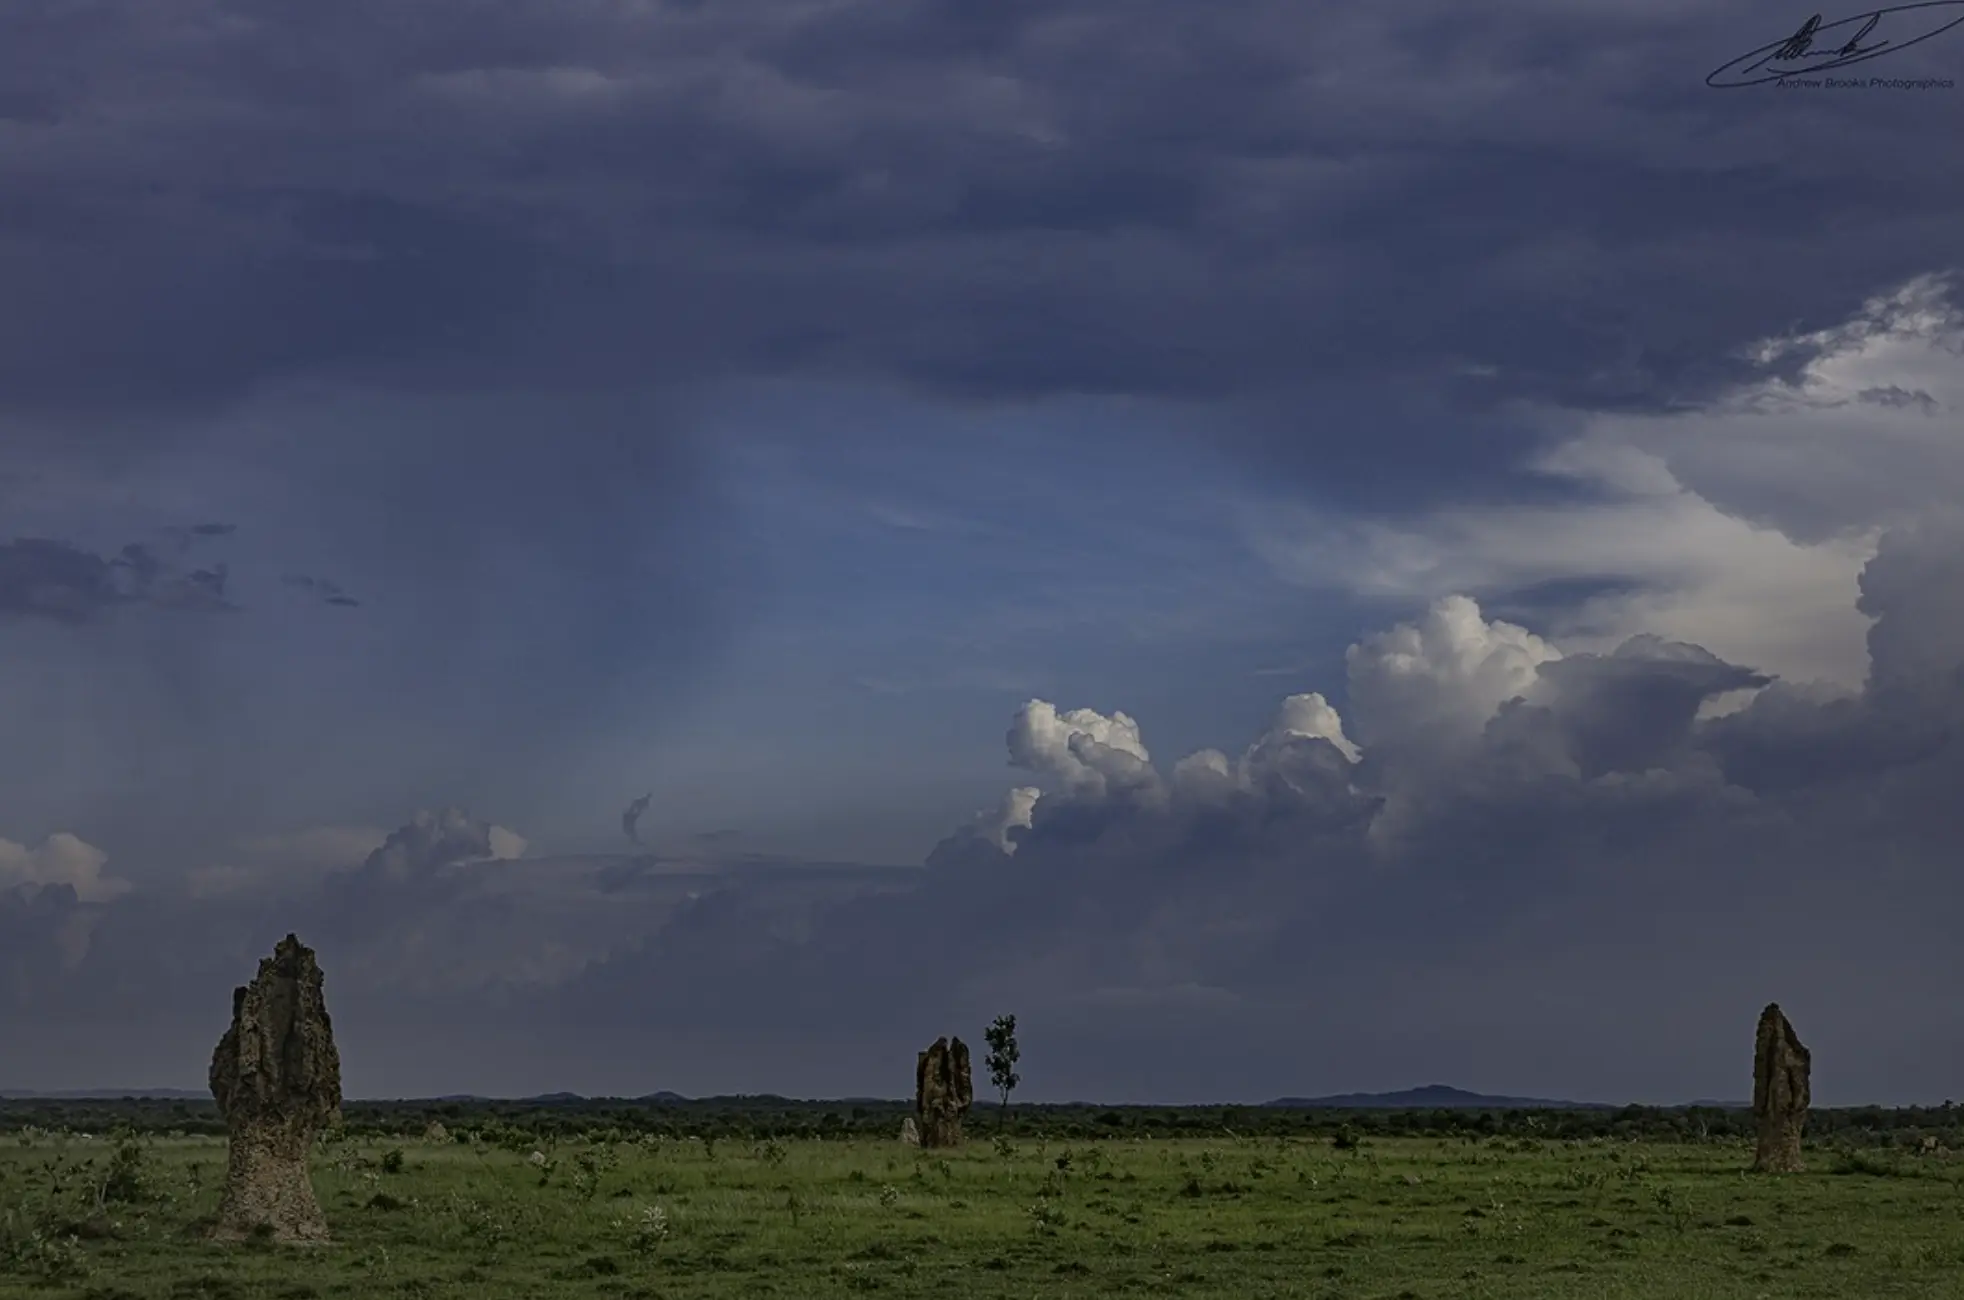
(574, 1098)
(1433, 1096)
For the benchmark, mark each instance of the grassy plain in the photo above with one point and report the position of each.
(1397, 1219)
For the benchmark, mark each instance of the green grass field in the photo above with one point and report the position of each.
(1227, 1217)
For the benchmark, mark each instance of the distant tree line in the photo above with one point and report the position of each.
(761, 1118)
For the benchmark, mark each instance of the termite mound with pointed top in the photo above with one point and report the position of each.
(277, 1078)
(1781, 1066)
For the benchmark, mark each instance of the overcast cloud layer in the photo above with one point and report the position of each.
(1450, 522)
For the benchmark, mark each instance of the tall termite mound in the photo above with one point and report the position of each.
(277, 1078)
(942, 1092)
(1781, 1065)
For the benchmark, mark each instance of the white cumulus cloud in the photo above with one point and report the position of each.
(1431, 684)
(1087, 751)
(1309, 715)
(62, 859)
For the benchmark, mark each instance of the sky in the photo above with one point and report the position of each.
(702, 547)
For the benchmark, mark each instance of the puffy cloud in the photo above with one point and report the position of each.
(403, 915)
(1013, 813)
(1426, 686)
(1637, 553)
(1462, 718)
(1914, 590)
(1090, 753)
(1094, 760)
(434, 841)
(1502, 782)
(505, 844)
(298, 860)
(428, 874)
(1308, 716)
(1206, 774)
(62, 860)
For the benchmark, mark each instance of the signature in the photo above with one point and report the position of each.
(1819, 46)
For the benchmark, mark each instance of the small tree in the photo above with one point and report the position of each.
(1003, 1055)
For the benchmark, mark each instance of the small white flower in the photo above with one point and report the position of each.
(537, 1160)
(646, 1232)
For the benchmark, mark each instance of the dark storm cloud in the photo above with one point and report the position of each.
(1630, 711)
(1595, 822)
(49, 579)
(1017, 203)
(1595, 807)
(1261, 204)
(1790, 738)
